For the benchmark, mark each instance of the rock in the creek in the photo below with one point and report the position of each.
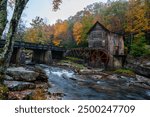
(42, 75)
(142, 82)
(8, 77)
(92, 71)
(143, 79)
(97, 77)
(22, 74)
(103, 88)
(64, 76)
(112, 77)
(55, 91)
(147, 64)
(20, 95)
(18, 85)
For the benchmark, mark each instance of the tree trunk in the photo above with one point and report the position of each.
(6, 53)
(3, 16)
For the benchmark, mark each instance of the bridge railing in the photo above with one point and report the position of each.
(33, 46)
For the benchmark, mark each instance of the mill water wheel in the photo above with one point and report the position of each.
(94, 57)
(98, 58)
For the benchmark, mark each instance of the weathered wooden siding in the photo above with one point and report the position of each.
(100, 37)
(115, 44)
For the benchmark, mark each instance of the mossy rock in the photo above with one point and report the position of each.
(126, 72)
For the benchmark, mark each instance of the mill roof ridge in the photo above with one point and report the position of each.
(97, 22)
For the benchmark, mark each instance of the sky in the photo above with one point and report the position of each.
(43, 9)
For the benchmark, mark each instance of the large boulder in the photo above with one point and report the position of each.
(19, 85)
(22, 74)
(140, 65)
(42, 75)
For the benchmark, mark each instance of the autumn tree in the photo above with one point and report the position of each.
(137, 22)
(136, 16)
(37, 33)
(69, 41)
(81, 28)
(77, 32)
(60, 32)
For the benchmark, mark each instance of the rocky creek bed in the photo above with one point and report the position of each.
(26, 83)
(59, 82)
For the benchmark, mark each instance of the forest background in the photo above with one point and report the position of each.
(120, 16)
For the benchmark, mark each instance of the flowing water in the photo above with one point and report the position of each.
(83, 87)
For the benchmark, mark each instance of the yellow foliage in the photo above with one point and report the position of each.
(77, 31)
(136, 16)
(39, 34)
(31, 35)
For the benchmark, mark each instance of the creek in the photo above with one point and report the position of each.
(73, 86)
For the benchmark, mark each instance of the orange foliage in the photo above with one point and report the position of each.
(56, 42)
(60, 32)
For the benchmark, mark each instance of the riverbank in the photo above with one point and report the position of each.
(69, 79)
(128, 72)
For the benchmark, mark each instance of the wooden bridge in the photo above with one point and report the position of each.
(41, 53)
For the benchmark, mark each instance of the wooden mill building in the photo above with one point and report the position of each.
(100, 37)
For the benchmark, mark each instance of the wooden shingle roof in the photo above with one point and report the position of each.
(97, 23)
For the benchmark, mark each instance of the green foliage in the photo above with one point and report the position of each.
(73, 58)
(138, 48)
(125, 72)
(70, 61)
(68, 43)
(87, 24)
(114, 15)
(3, 92)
